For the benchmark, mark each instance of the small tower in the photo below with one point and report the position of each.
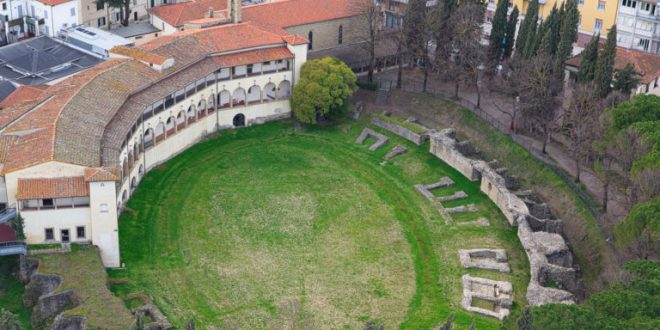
(234, 10)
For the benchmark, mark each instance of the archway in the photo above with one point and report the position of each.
(239, 96)
(254, 94)
(149, 138)
(224, 99)
(270, 94)
(160, 132)
(239, 120)
(210, 104)
(284, 90)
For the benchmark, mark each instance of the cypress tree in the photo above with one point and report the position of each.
(626, 79)
(551, 32)
(605, 64)
(511, 32)
(498, 30)
(533, 41)
(589, 58)
(528, 27)
(567, 35)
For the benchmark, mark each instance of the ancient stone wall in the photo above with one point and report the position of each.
(552, 275)
(443, 146)
(401, 131)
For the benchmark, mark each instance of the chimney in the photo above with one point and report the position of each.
(210, 13)
(234, 10)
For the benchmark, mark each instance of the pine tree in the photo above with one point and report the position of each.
(626, 79)
(528, 27)
(511, 32)
(551, 32)
(567, 35)
(605, 64)
(589, 59)
(498, 30)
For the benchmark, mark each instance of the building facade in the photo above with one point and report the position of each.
(73, 153)
(638, 25)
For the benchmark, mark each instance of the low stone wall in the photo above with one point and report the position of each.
(401, 131)
(443, 146)
(551, 272)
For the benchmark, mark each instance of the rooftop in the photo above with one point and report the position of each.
(52, 188)
(88, 37)
(41, 60)
(646, 64)
(135, 29)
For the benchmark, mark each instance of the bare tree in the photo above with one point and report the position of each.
(467, 53)
(628, 146)
(371, 21)
(538, 96)
(581, 123)
(509, 83)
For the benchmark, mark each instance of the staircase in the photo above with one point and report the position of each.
(7, 214)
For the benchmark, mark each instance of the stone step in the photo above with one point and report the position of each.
(462, 208)
(457, 195)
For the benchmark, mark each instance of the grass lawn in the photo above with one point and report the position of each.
(83, 271)
(11, 291)
(264, 227)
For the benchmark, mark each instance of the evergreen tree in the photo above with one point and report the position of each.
(527, 27)
(18, 225)
(511, 32)
(589, 59)
(626, 79)
(498, 31)
(534, 41)
(551, 32)
(567, 35)
(605, 64)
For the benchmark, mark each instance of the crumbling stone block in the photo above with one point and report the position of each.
(462, 209)
(160, 321)
(457, 195)
(399, 149)
(488, 259)
(381, 139)
(499, 293)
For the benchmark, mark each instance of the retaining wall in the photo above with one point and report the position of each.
(401, 131)
(547, 252)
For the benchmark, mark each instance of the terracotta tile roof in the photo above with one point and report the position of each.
(646, 64)
(255, 56)
(180, 13)
(53, 2)
(289, 13)
(52, 188)
(274, 15)
(5, 143)
(22, 94)
(101, 174)
(139, 54)
(295, 40)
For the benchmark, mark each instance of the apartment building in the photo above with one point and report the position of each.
(638, 25)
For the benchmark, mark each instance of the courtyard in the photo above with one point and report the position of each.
(269, 227)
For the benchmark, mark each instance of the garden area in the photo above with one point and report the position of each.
(271, 227)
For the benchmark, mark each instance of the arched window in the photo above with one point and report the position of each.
(340, 35)
(310, 36)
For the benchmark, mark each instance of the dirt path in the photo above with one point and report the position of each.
(490, 101)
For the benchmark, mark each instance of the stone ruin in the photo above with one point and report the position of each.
(401, 131)
(497, 293)
(487, 259)
(160, 322)
(481, 222)
(425, 190)
(399, 149)
(381, 139)
(455, 196)
(553, 279)
(462, 208)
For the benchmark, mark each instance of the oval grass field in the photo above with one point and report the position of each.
(264, 228)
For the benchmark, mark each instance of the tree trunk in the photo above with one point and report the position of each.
(107, 15)
(577, 169)
(399, 72)
(426, 77)
(127, 12)
(478, 93)
(546, 137)
(456, 89)
(606, 188)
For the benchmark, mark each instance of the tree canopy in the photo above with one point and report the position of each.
(323, 90)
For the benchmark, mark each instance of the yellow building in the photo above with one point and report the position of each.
(595, 15)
